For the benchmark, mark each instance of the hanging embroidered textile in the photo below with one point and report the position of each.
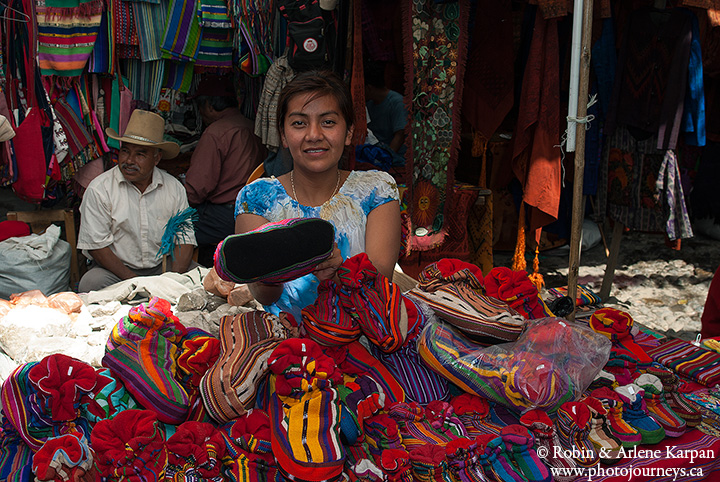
(79, 140)
(652, 74)
(434, 37)
(66, 36)
(126, 33)
(641, 186)
(150, 19)
(182, 31)
(60, 141)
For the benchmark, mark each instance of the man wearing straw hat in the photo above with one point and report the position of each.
(124, 210)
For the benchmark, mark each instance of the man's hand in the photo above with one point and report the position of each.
(183, 256)
(109, 260)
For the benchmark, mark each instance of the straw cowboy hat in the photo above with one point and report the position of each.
(146, 129)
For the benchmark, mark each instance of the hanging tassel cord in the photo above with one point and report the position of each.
(536, 278)
(518, 261)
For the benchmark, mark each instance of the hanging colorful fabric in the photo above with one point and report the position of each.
(536, 155)
(80, 142)
(113, 109)
(28, 145)
(434, 37)
(254, 20)
(252, 60)
(145, 80)
(178, 75)
(216, 49)
(182, 32)
(216, 41)
(100, 61)
(127, 43)
(214, 14)
(150, 20)
(66, 36)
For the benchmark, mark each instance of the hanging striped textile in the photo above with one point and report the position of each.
(56, 5)
(66, 37)
(216, 49)
(145, 80)
(100, 61)
(150, 19)
(258, 16)
(216, 40)
(126, 34)
(178, 75)
(214, 14)
(80, 142)
(182, 31)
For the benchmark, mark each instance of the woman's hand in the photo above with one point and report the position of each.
(328, 268)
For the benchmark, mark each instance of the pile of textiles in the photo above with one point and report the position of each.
(351, 394)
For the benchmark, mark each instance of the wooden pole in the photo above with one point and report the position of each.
(612, 261)
(578, 209)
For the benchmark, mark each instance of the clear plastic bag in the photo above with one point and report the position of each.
(66, 301)
(26, 298)
(5, 306)
(552, 362)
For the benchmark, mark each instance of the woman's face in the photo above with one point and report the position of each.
(315, 132)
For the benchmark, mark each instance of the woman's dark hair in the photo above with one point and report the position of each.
(319, 83)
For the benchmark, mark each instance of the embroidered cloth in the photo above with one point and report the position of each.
(434, 37)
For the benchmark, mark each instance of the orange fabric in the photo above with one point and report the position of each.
(538, 127)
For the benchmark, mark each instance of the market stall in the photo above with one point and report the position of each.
(473, 374)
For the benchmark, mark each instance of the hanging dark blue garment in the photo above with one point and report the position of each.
(694, 111)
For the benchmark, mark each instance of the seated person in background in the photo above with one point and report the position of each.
(124, 210)
(227, 153)
(315, 121)
(386, 109)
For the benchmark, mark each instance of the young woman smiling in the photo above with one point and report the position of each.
(315, 121)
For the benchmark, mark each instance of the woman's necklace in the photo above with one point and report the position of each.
(292, 183)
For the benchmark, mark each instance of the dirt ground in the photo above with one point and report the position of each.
(661, 288)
